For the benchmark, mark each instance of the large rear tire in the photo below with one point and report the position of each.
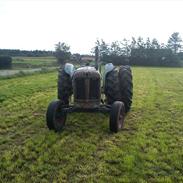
(117, 116)
(126, 86)
(111, 90)
(64, 86)
(119, 86)
(55, 117)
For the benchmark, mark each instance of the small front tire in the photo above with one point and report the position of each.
(55, 117)
(117, 116)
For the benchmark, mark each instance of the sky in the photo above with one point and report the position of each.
(40, 24)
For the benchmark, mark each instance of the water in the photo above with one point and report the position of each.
(5, 73)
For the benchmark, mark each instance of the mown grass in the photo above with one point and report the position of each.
(34, 62)
(9, 74)
(149, 149)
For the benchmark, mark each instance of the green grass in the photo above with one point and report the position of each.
(33, 62)
(149, 149)
(22, 66)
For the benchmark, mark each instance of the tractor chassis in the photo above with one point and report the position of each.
(57, 113)
(101, 108)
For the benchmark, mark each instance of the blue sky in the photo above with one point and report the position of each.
(40, 24)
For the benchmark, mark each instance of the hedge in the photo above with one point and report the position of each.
(5, 62)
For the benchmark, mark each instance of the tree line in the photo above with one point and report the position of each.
(137, 51)
(145, 52)
(26, 53)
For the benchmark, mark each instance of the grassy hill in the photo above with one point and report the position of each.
(149, 149)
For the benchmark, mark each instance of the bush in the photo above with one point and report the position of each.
(5, 62)
(115, 59)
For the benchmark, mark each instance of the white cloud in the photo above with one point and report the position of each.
(41, 24)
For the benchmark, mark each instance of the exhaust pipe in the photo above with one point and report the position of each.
(96, 57)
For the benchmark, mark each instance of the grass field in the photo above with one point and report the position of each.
(22, 66)
(34, 62)
(149, 149)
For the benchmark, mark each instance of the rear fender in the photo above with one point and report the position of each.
(69, 69)
(107, 68)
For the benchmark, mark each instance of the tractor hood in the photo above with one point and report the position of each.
(88, 72)
(86, 84)
(86, 68)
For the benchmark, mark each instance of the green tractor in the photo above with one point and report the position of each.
(87, 88)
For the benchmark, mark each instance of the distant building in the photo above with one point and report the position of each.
(87, 58)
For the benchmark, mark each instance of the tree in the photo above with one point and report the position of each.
(155, 44)
(174, 42)
(148, 43)
(133, 44)
(115, 48)
(125, 49)
(62, 52)
(103, 48)
(163, 46)
(140, 42)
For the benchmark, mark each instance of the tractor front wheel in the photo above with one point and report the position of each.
(55, 117)
(117, 116)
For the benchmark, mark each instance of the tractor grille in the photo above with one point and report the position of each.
(87, 89)
(94, 88)
(80, 88)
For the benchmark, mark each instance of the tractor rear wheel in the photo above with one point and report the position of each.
(111, 90)
(117, 116)
(55, 117)
(64, 86)
(126, 86)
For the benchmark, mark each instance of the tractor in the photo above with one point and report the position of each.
(87, 89)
